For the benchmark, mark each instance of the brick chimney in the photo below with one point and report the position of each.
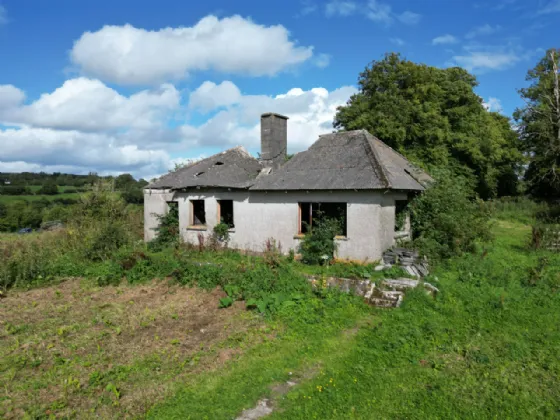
(274, 139)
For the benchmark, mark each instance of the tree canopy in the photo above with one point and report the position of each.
(434, 117)
(539, 126)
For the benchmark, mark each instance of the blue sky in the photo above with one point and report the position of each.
(133, 86)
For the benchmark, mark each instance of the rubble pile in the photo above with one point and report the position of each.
(408, 259)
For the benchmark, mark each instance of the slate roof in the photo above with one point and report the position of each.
(345, 160)
(234, 168)
(337, 161)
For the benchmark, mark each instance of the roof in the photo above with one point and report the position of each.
(338, 161)
(234, 168)
(345, 160)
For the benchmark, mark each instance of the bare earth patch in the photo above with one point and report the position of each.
(111, 352)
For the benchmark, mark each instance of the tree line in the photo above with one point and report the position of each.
(434, 117)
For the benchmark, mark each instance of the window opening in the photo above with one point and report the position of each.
(225, 214)
(198, 213)
(311, 213)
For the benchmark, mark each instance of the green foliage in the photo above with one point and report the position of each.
(48, 189)
(133, 196)
(319, 246)
(167, 230)
(434, 117)
(539, 126)
(447, 220)
(220, 233)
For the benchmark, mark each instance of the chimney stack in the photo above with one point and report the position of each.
(274, 139)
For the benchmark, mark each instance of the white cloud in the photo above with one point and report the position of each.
(89, 151)
(129, 55)
(409, 18)
(85, 126)
(553, 6)
(482, 30)
(493, 105)
(3, 15)
(210, 96)
(482, 60)
(307, 7)
(382, 13)
(397, 41)
(86, 104)
(311, 113)
(444, 39)
(340, 8)
(379, 12)
(10, 96)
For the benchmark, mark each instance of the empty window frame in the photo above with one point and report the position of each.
(225, 212)
(311, 213)
(401, 215)
(198, 213)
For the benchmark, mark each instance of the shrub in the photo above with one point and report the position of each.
(447, 219)
(48, 189)
(220, 234)
(319, 246)
(101, 242)
(167, 230)
(133, 196)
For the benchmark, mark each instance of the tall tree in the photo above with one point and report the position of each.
(434, 117)
(539, 126)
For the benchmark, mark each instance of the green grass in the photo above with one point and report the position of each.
(486, 347)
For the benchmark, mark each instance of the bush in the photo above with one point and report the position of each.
(447, 219)
(133, 196)
(318, 246)
(102, 242)
(220, 234)
(48, 189)
(167, 230)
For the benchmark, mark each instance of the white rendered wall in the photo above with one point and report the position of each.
(155, 202)
(262, 215)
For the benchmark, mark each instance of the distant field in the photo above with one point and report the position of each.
(61, 188)
(12, 198)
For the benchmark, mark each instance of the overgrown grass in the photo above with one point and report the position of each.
(487, 346)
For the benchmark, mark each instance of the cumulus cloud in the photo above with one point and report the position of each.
(86, 126)
(10, 96)
(90, 151)
(397, 41)
(309, 112)
(210, 96)
(444, 39)
(86, 104)
(129, 55)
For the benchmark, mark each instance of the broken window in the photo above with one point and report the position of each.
(310, 213)
(225, 212)
(198, 217)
